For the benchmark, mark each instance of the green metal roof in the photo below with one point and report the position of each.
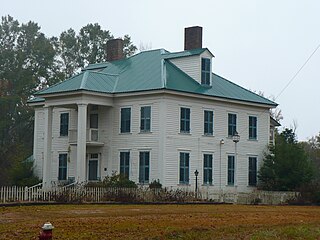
(187, 53)
(150, 70)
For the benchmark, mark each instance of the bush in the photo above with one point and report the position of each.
(119, 181)
(113, 181)
(309, 194)
(155, 184)
(22, 175)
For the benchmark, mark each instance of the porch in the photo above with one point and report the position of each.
(83, 122)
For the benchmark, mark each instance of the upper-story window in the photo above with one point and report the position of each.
(125, 125)
(208, 122)
(64, 124)
(252, 127)
(145, 119)
(205, 71)
(94, 120)
(232, 124)
(185, 120)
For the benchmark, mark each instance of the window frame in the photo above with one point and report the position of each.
(184, 168)
(185, 120)
(207, 169)
(145, 121)
(63, 169)
(124, 169)
(123, 127)
(144, 167)
(231, 170)
(253, 128)
(232, 124)
(252, 173)
(64, 126)
(205, 72)
(207, 124)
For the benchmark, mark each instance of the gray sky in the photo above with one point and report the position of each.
(259, 45)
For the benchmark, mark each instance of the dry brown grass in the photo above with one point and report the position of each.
(162, 222)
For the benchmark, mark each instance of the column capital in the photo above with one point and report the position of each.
(82, 104)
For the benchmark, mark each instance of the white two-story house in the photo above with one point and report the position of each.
(153, 116)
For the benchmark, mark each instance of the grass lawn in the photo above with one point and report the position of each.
(162, 222)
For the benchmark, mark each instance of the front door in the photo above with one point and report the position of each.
(93, 167)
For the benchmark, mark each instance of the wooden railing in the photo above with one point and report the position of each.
(92, 135)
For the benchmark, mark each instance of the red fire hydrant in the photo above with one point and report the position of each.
(46, 232)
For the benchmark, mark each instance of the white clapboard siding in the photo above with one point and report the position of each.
(165, 141)
(190, 65)
(196, 143)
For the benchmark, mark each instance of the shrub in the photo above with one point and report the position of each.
(155, 184)
(119, 181)
(309, 195)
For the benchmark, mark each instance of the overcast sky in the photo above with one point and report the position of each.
(259, 45)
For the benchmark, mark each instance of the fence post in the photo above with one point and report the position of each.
(26, 193)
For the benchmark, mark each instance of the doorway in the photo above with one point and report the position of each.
(93, 173)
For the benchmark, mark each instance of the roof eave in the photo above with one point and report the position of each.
(75, 92)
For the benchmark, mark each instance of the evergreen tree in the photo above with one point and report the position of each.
(286, 165)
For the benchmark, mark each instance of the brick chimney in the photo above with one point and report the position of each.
(114, 49)
(192, 38)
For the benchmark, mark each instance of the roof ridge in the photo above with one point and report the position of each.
(184, 51)
(84, 80)
(115, 84)
(244, 88)
(103, 73)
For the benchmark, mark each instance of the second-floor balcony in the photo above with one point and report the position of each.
(93, 137)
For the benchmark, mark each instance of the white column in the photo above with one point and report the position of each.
(47, 158)
(81, 143)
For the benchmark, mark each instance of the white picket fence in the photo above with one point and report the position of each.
(75, 194)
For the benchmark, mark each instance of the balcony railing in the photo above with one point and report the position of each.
(92, 135)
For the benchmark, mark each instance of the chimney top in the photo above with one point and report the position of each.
(114, 49)
(192, 38)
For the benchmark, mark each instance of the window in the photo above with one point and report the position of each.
(124, 164)
(185, 120)
(144, 167)
(231, 168)
(232, 124)
(145, 119)
(184, 168)
(252, 171)
(64, 124)
(252, 127)
(205, 71)
(94, 120)
(62, 173)
(125, 120)
(208, 122)
(207, 169)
